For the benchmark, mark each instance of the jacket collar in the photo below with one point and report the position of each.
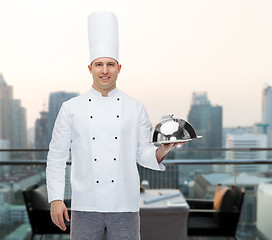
(112, 93)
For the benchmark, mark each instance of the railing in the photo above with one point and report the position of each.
(168, 162)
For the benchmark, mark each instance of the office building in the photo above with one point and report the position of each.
(264, 128)
(4, 144)
(207, 121)
(13, 213)
(261, 128)
(17, 128)
(160, 179)
(68, 187)
(12, 118)
(4, 156)
(4, 214)
(55, 101)
(20, 179)
(236, 131)
(246, 141)
(17, 213)
(5, 98)
(267, 104)
(41, 135)
(6, 195)
(267, 114)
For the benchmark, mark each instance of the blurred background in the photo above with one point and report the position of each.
(208, 62)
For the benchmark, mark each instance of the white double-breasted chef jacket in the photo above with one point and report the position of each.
(107, 136)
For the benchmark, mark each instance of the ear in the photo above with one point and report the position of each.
(90, 68)
(119, 68)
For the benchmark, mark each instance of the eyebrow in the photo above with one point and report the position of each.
(106, 63)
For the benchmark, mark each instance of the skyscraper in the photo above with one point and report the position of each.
(55, 101)
(18, 133)
(246, 141)
(267, 104)
(207, 121)
(5, 97)
(12, 117)
(41, 135)
(267, 111)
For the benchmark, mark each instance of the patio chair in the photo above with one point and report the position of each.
(218, 217)
(38, 210)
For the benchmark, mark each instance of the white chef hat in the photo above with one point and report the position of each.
(103, 35)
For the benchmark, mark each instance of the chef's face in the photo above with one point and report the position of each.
(104, 71)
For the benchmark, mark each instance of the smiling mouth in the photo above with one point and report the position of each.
(105, 78)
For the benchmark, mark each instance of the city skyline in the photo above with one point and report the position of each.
(45, 108)
(168, 51)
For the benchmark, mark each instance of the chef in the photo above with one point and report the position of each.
(108, 133)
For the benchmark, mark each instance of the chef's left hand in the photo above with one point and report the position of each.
(163, 149)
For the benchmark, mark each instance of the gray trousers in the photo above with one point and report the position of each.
(92, 225)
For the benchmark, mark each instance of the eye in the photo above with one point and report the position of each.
(98, 64)
(111, 64)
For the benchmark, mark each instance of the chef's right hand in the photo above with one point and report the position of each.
(57, 210)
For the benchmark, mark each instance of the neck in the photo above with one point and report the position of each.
(104, 92)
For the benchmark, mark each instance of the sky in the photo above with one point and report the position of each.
(168, 50)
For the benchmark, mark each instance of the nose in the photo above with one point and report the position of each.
(105, 69)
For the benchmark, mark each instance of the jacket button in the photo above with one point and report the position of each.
(117, 116)
(95, 159)
(112, 180)
(97, 181)
(93, 138)
(118, 99)
(115, 137)
(90, 99)
(114, 159)
(91, 116)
